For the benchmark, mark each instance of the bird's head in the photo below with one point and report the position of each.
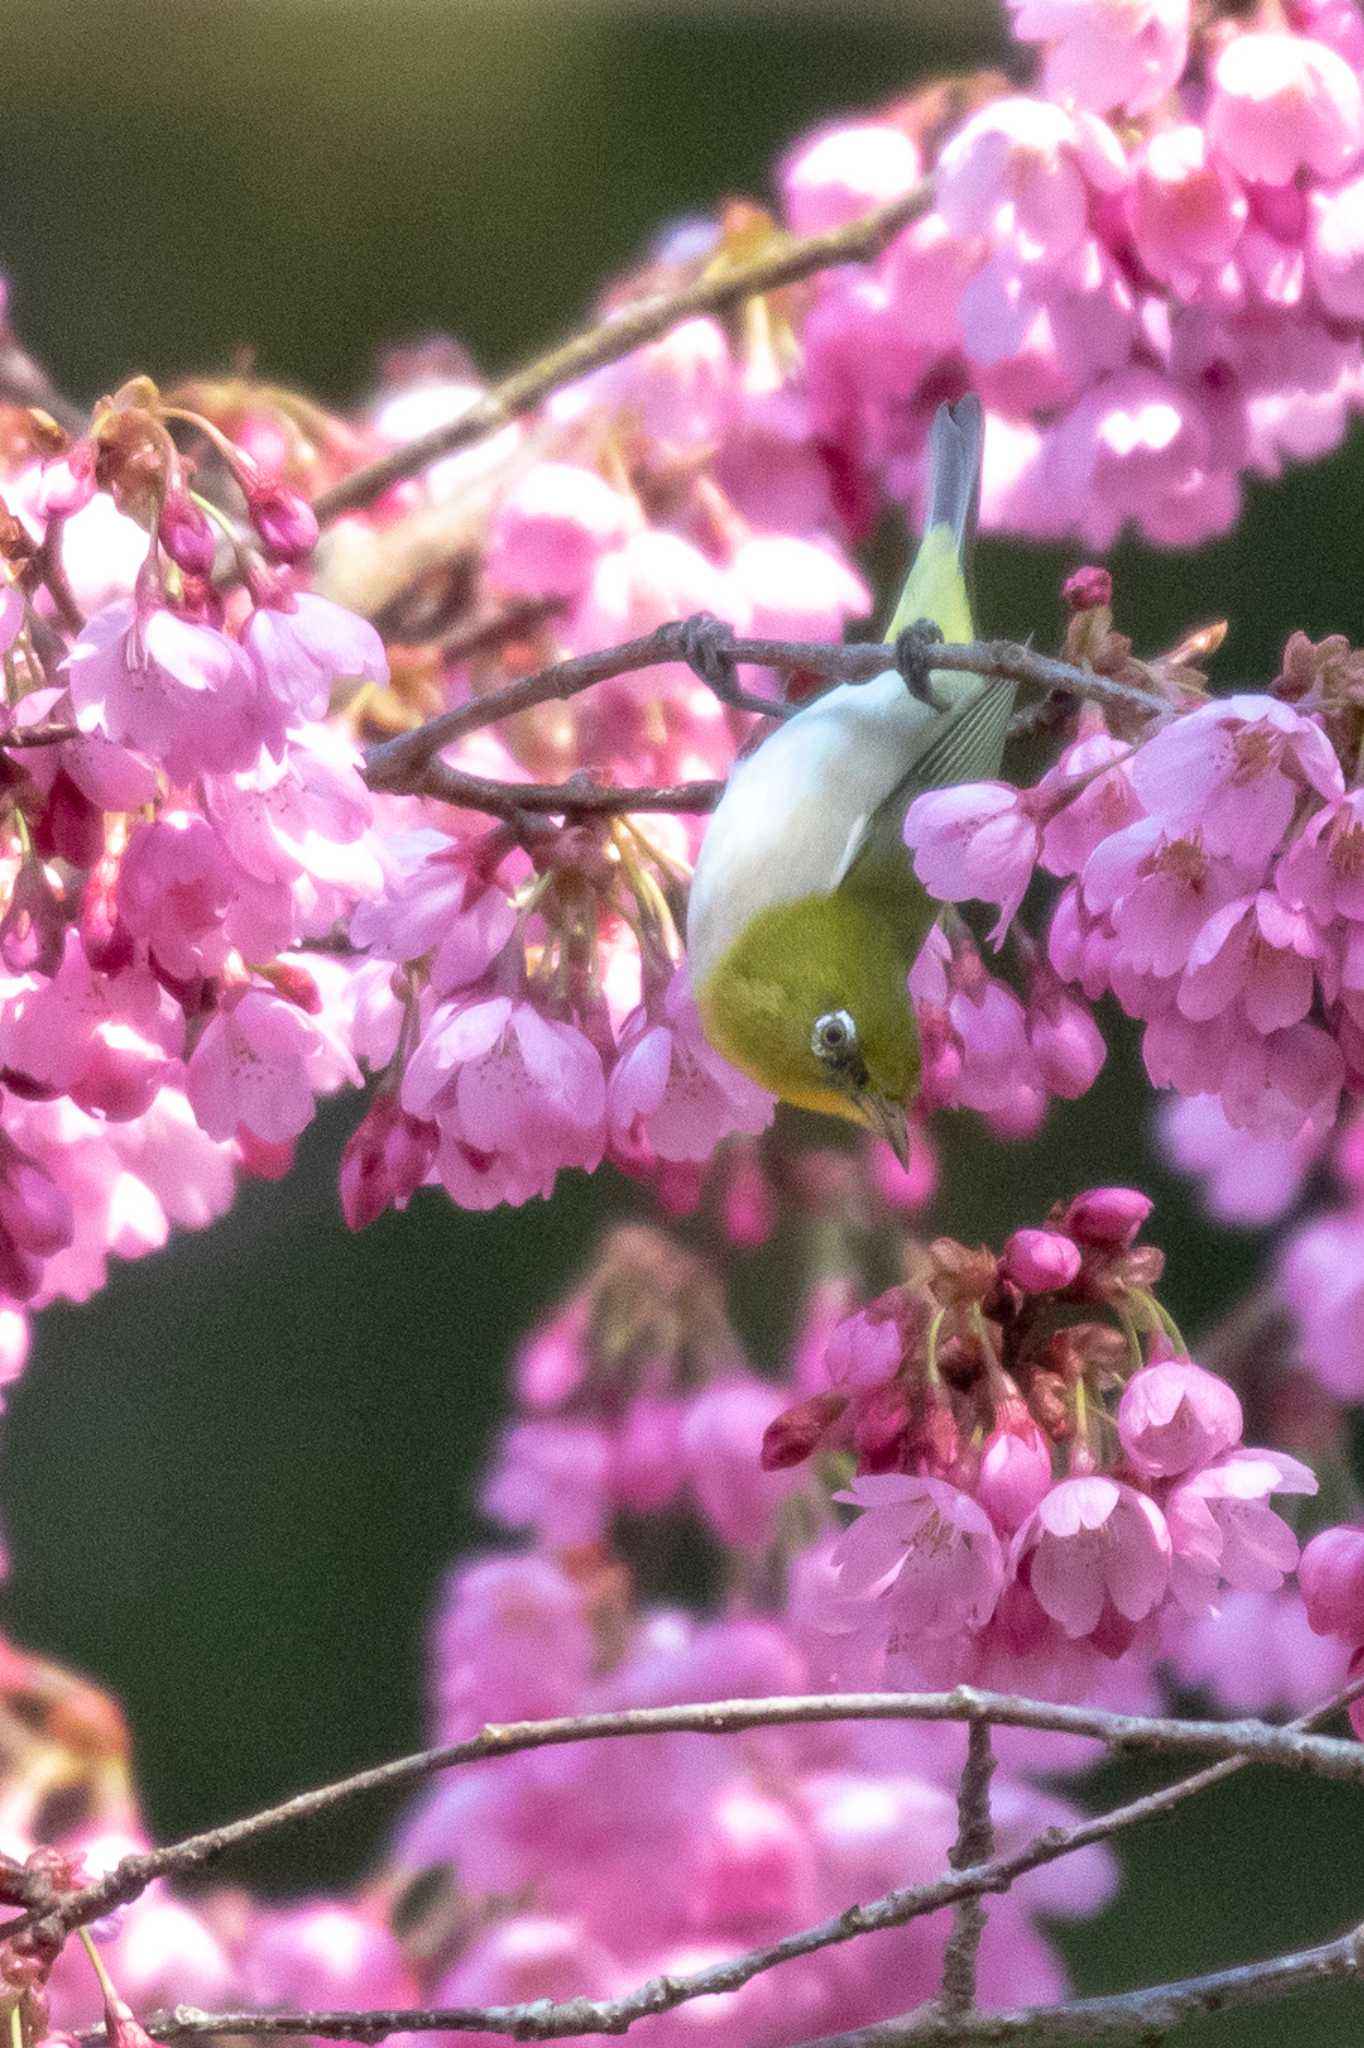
(811, 1001)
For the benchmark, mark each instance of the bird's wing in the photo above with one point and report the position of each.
(967, 746)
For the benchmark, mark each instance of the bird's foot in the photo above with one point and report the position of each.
(706, 644)
(913, 651)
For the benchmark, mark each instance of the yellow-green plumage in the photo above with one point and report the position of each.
(804, 900)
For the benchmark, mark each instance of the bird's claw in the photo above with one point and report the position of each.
(912, 659)
(706, 644)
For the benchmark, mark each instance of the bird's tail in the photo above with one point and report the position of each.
(938, 584)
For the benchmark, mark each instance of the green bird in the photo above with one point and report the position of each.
(805, 914)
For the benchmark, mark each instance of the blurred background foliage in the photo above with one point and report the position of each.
(232, 1481)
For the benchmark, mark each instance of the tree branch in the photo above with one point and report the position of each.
(1289, 1747)
(408, 763)
(578, 797)
(785, 260)
(1145, 2016)
(546, 2020)
(974, 1845)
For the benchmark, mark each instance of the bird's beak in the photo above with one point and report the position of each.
(889, 1120)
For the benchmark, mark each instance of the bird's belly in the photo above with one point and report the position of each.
(783, 827)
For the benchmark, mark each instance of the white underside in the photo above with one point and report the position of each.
(793, 810)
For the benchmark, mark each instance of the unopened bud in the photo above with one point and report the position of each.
(186, 534)
(1107, 1218)
(1087, 588)
(286, 523)
(1040, 1261)
(793, 1435)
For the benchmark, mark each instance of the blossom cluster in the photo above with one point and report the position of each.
(535, 1875)
(1043, 1475)
(180, 821)
(1151, 266)
(1208, 871)
(209, 919)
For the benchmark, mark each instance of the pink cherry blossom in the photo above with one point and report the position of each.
(670, 1088)
(840, 172)
(181, 692)
(1186, 207)
(321, 1952)
(1245, 1180)
(1093, 1548)
(1236, 768)
(551, 528)
(1019, 171)
(1107, 53)
(174, 887)
(977, 840)
(513, 1091)
(1255, 949)
(552, 1476)
(1174, 1416)
(866, 1349)
(302, 646)
(1223, 1531)
(1284, 103)
(924, 1548)
(1323, 868)
(1322, 1278)
(256, 1067)
(722, 1437)
(512, 1640)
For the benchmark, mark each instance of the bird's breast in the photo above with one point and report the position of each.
(783, 827)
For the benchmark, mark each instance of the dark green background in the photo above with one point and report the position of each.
(232, 1480)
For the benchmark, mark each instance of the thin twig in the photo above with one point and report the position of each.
(51, 570)
(52, 735)
(578, 797)
(546, 2020)
(1145, 2016)
(785, 260)
(974, 1845)
(1288, 1747)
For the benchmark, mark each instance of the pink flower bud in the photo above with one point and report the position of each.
(285, 522)
(792, 1436)
(1015, 1471)
(186, 534)
(68, 481)
(387, 1157)
(1107, 1218)
(1040, 1261)
(71, 827)
(1175, 1416)
(1087, 589)
(1331, 1575)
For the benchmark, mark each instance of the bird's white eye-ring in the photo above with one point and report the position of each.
(834, 1037)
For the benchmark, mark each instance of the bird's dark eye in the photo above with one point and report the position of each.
(834, 1036)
